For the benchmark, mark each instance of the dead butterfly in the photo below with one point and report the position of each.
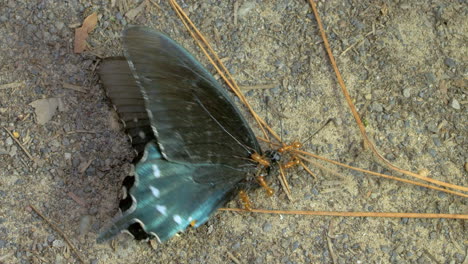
(194, 145)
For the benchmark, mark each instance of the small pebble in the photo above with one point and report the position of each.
(406, 93)
(267, 227)
(437, 141)
(9, 141)
(58, 243)
(455, 104)
(376, 107)
(13, 151)
(442, 195)
(450, 62)
(50, 238)
(430, 77)
(384, 248)
(236, 246)
(432, 126)
(59, 25)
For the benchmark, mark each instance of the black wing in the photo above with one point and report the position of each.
(192, 116)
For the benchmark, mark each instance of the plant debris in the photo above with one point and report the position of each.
(81, 33)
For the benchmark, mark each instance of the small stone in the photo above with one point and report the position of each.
(50, 238)
(430, 77)
(267, 227)
(13, 151)
(67, 156)
(59, 25)
(315, 191)
(376, 107)
(368, 96)
(437, 141)
(432, 126)
(450, 62)
(295, 245)
(85, 224)
(406, 93)
(385, 249)
(58, 243)
(455, 104)
(236, 246)
(9, 141)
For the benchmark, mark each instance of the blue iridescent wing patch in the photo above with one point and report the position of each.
(193, 144)
(166, 198)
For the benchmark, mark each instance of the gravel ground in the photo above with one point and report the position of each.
(404, 63)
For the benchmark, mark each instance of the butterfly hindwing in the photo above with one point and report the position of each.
(166, 199)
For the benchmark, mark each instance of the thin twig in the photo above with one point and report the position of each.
(308, 170)
(330, 244)
(350, 214)
(59, 231)
(6, 256)
(156, 5)
(224, 73)
(357, 118)
(77, 199)
(374, 173)
(83, 131)
(19, 144)
(259, 87)
(284, 183)
(86, 166)
(10, 85)
(233, 258)
(296, 151)
(74, 87)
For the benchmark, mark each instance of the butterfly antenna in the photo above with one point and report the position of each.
(281, 129)
(320, 129)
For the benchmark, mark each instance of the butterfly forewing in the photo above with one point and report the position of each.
(192, 116)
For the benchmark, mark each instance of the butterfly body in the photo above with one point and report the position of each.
(192, 142)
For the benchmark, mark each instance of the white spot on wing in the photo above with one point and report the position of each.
(155, 191)
(177, 219)
(150, 114)
(156, 171)
(161, 208)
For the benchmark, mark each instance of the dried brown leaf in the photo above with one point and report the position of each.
(81, 33)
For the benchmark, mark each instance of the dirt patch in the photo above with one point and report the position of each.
(405, 66)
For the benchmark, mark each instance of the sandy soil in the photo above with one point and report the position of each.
(404, 63)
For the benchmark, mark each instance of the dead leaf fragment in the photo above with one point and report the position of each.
(45, 109)
(81, 33)
(131, 14)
